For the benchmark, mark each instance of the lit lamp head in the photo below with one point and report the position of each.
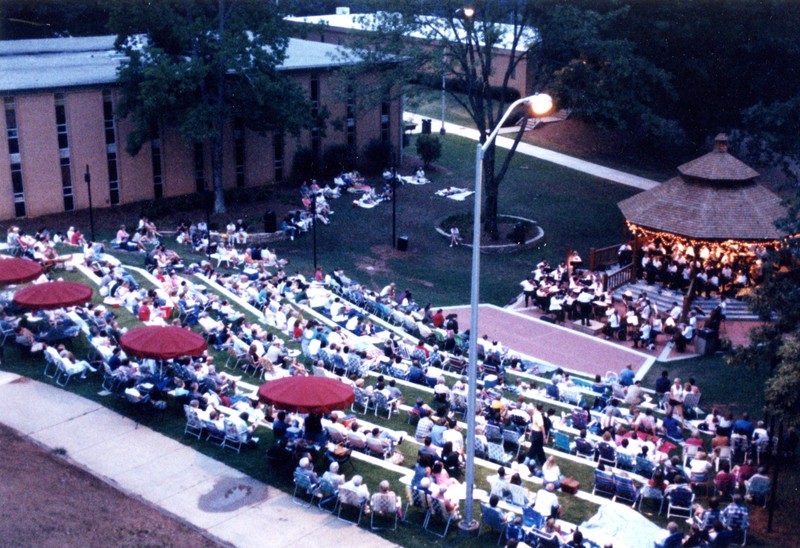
(468, 11)
(540, 104)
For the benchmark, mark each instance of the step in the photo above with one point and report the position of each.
(594, 327)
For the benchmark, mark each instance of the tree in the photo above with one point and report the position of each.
(776, 344)
(195, 64)
(553, 36)
(429, 148)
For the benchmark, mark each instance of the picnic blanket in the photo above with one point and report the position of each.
(359, 188)
(413, 180)
(455, 193)
(623, 525)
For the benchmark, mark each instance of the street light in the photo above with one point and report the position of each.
(540, 105)
(444, 89)
(88, 178)
(314, 227)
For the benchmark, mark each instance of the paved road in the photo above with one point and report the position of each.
(214, 497)
(542, 154)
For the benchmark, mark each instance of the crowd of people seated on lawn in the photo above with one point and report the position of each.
(723, 269)
(187, 379)
(39, 246)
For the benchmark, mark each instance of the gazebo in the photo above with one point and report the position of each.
(715, 201)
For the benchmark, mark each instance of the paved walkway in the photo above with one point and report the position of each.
(229, 505)
(542, 154)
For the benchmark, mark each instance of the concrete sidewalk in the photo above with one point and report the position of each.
(542, 154)
(213, 497)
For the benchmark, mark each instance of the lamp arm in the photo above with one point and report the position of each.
(499, 124)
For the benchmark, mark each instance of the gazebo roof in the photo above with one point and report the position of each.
(716, 197)
(718, 167)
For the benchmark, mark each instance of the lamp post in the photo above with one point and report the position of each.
(444, 89)
(540, 104)
(314, 228)
(88, 178)
(394, 202)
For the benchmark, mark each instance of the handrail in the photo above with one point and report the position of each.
(619, 278)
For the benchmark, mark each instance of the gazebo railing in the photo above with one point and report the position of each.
(603, 257)
(619, 278)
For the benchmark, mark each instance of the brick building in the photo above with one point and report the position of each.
(59, 97)
(342, 28)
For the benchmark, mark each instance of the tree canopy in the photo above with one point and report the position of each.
(195, 65)
(776, 344)
(574, 56)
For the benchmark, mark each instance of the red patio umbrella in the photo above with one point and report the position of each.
(162, 342)
(14, 270)
(51, 295)
(313, 395)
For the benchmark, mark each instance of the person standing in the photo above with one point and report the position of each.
(538, 433)
(585, 306)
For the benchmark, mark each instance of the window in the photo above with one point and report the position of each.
(12, 135)
(66, 185)
(238, 150)
(199, 168)
(63, 147)
(351, 117)
(386, 109)
(155, 159)
(277, 145)
(316, 134)
(111, 147)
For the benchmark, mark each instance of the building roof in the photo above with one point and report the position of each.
(367, 21)
(716, 197)
(70, 62)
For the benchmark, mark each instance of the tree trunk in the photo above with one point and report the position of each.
(490, 184)
(216, 142)
(216, 169)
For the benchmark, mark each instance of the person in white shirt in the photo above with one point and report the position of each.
(454, 436)
(547, 502)
(585, 305)
(333, 476)
(529, 290)
(357, 484)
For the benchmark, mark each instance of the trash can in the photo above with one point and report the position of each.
(706, 342)
(270, 221)
(426, 126)
(402, 243)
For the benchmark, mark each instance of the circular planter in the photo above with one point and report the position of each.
(532, 242)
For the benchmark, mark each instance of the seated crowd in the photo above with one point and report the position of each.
(352, 345)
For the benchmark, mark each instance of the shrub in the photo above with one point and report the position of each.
(337, 158)
(429, 148)
(306, 165)
(377, 155)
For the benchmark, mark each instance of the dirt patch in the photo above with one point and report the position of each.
(49, 502)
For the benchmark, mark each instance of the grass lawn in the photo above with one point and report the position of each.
(572, 208)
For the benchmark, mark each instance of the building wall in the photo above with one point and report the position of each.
(6, 193)
(84, 124)
(36, 121)
(38, 141)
